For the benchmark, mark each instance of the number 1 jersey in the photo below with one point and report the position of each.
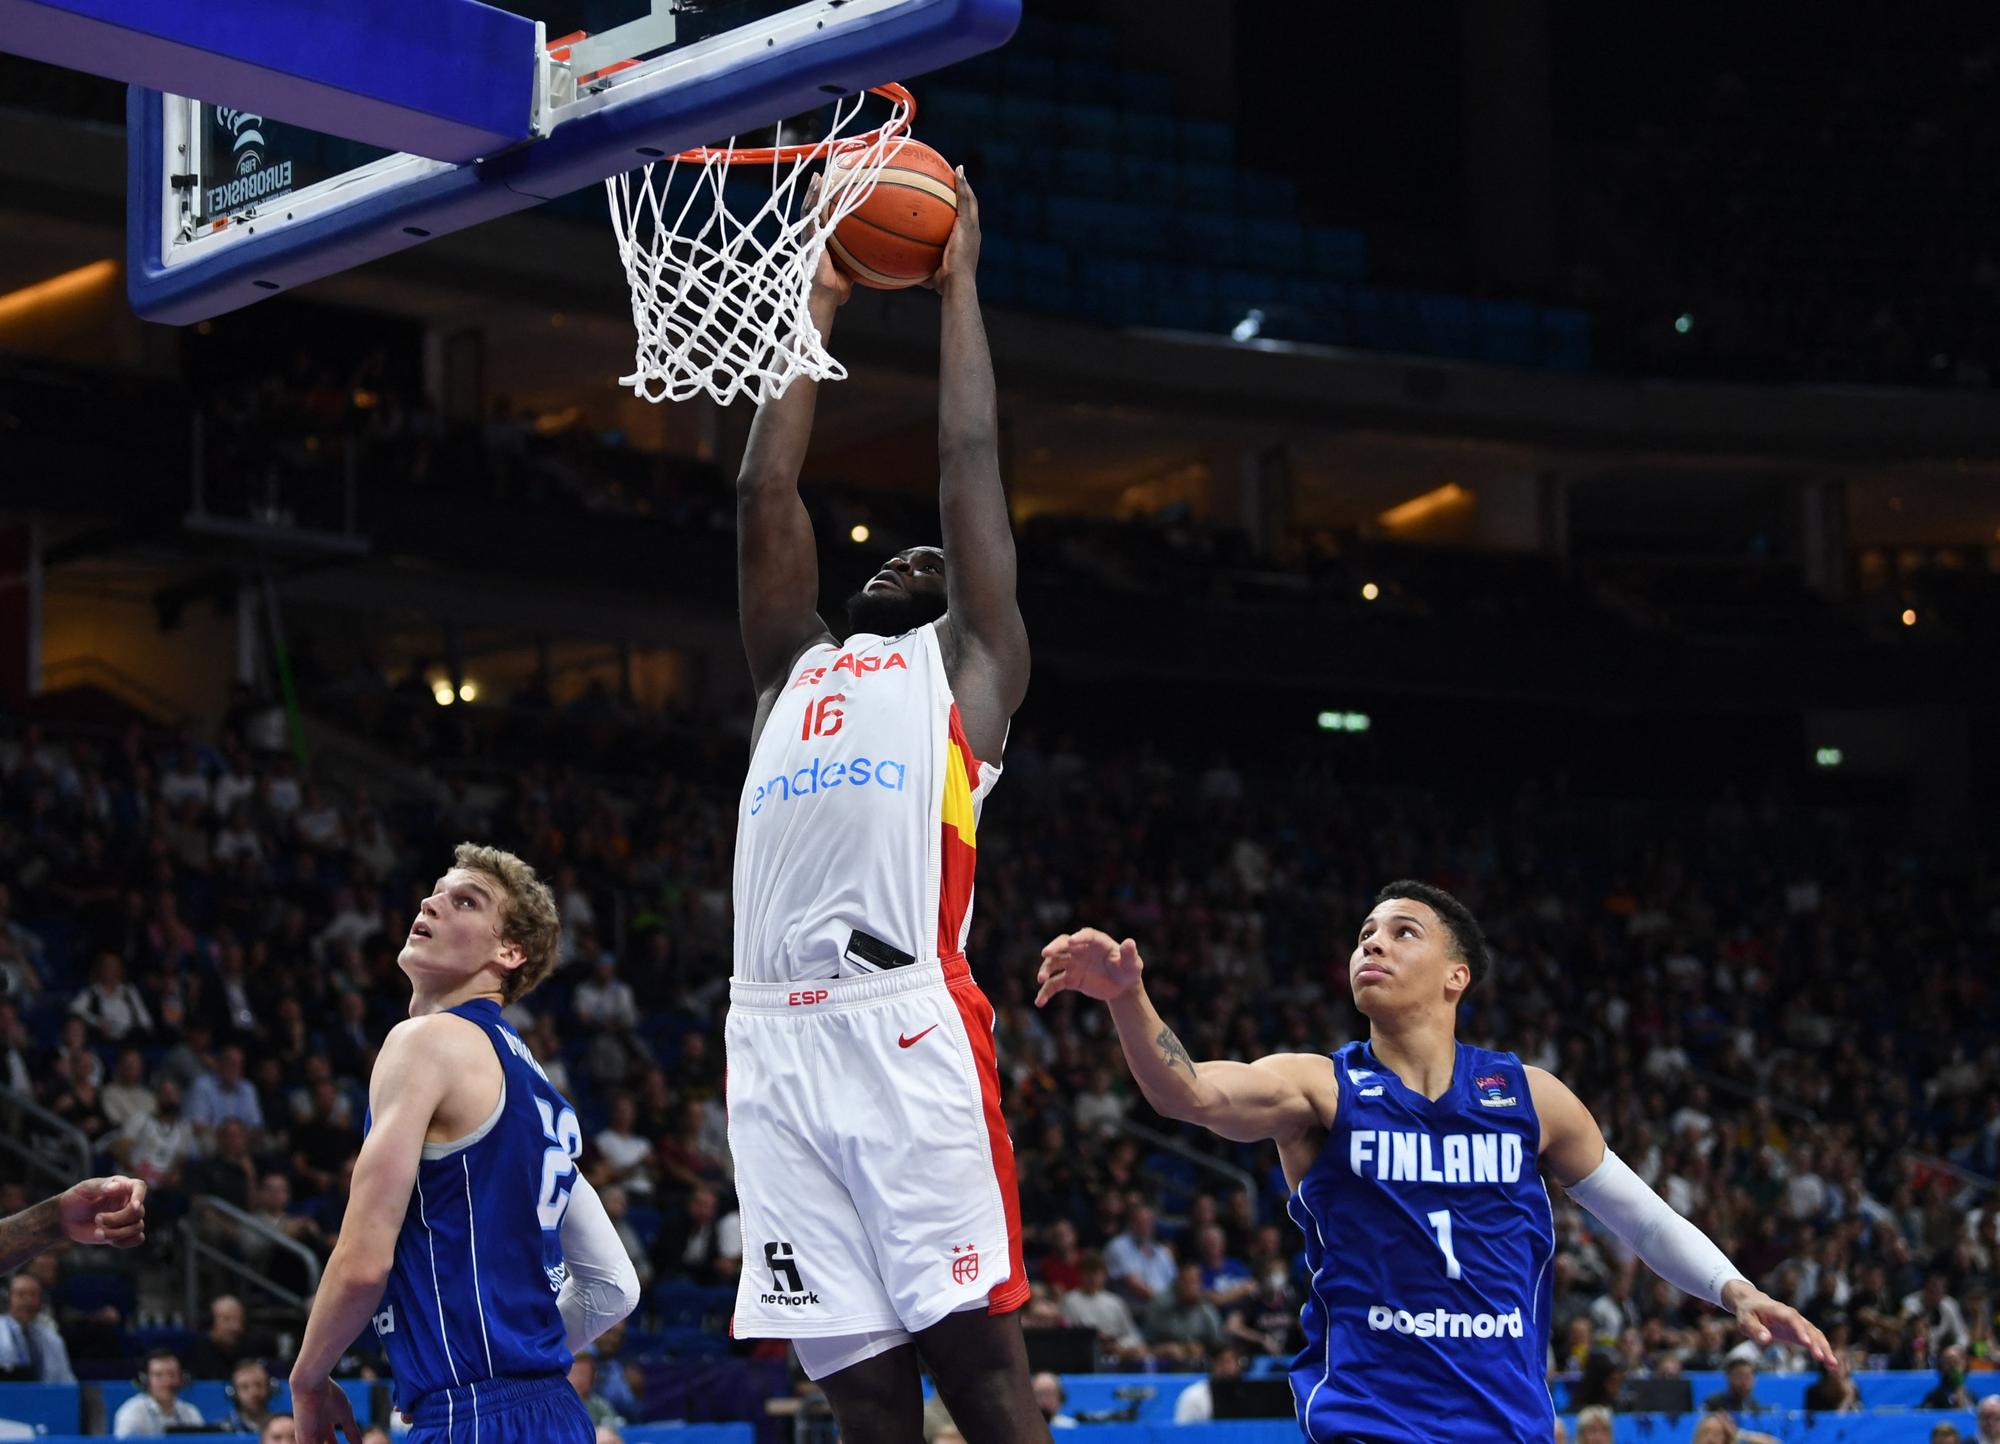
(479, 1262)
(1429, 1237)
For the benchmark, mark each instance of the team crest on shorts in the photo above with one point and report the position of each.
(964, 1264)
(1493, 1091)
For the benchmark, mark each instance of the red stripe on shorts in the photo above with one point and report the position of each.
(977, 1015)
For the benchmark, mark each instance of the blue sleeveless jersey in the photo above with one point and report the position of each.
(472, 1295)
(1428, 1235)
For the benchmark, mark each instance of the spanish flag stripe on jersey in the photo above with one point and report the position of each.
(960, 841)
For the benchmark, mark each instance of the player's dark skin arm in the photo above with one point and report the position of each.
(777, 564)
(985, 642)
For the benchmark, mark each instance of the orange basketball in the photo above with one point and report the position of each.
(896, 237)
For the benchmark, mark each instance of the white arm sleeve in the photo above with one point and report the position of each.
(1671, 1247)
(602, 1287)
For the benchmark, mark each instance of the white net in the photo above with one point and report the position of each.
(721, 272)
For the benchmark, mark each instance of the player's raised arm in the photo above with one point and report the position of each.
(1282, 1097)
(777, 567)
(985, 614)
(1573, 1148)
(408, 1083)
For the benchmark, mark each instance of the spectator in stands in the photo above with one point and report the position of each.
(685, 1156)
(110, 1006)
(703, 1245)
(31, 1348)
(274, 1212)
(1141, 1267)
(1602, 1383)
(1050, 1398)
(1061, 1266)
(323, 1140)
(1182, 1326)
(1739, 1394)
(605, 1435)
(282, 1429)
(158, 1405)
(1943, 1319)
(1593, 1425)
(626, 1157)
(1833, 1393)
(1226, 1280)
(1092, 1305)
(1988, 1419)
(21, 954)
(1945, 1432)
(613, 1382)
(1615, 1310)
(617, 1207)
(224, 1092)
(249, 1397)
(78, 1100)
(17, 1073)
(1950, 1391)
(127, 1095)
(583, 1379)
(1196, 1404)
(222, 1346)
(156, 1146)
(1102, 1108)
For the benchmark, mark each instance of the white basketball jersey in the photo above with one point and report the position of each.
(860, 814)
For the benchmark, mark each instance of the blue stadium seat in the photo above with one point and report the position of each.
(678, 1305)
(1208, 239)
(1095, 126)
(1087, 81)
(1566, 339)
(1085, 172)
(972, 110)
(1025, 73)
(1149, 178)
(1447, 325)
(1273, 245)
(1508, 332)
(86, 1292)
(1147, 91)
(1208, 186)
(1337, 253)
(1029, 120)
(1262, 194)
(1210, 142)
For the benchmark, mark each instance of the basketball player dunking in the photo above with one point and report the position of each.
(1412, 1160)
(879, 1209)
(479, 1253)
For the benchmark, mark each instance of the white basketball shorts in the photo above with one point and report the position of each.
(874, 1172)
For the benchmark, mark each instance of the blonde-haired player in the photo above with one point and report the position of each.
(479, 1254)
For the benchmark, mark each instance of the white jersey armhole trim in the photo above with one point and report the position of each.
(434, 1151)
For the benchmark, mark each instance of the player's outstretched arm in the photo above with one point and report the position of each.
(98, 1210)
(1573, 1148)
(600, 1285)
(1281, 1097)
(410, 1079)
(991, 677)
(777, 567)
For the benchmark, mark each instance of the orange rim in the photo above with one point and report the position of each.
(773, 154)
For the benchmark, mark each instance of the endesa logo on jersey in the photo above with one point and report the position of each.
(1444, 1324)
(821, 776)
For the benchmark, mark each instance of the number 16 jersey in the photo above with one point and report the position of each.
(1428, 1235)
(860, 815)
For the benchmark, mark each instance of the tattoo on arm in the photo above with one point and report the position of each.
(28, 1233)
(1172, 1052)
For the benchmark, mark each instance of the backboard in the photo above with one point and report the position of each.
(230, 200)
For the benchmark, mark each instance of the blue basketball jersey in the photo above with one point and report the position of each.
(1428, 1235)
(472, 1295)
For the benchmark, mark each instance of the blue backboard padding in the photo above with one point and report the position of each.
(783, 80)
(448, 79)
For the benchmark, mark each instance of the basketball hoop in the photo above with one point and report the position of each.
(720, 299)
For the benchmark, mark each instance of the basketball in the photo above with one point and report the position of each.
(896, 237)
